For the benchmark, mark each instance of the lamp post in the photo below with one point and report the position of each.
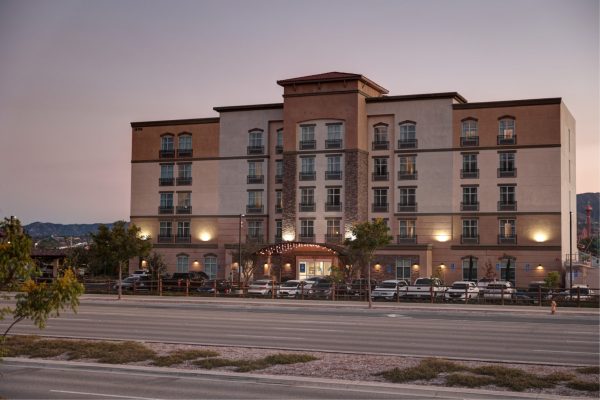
(570, 250)
(240, 252)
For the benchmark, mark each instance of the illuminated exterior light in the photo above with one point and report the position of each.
(442, 237)
(415, 266)
(205, 236)
(540, 237)
(540, 267)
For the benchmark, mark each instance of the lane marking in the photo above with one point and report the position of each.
(565, 351)
(306, 329)
(266, 337)
(104, 395)
(582, 341)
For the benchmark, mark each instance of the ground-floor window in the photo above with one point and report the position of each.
(183, 263)
(465, 270)
(510, 264)
(403, 268)
(210, 266)
(310, 268)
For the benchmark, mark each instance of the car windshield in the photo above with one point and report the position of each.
(129, 279)
(290, 284)
(261, 283)
(323, 284)
(574, 291)
(426, 281)
(497, 286)
(388, 285)
(461, 286)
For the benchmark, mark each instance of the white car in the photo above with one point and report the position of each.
(291, 288)
(387, 290)
(461, 290)
(262, 287)
(498, 290)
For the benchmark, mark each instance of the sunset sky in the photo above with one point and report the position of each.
(74, 74)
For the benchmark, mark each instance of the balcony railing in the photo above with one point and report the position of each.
(278, 149)
(185, 152)
(166, 209)
(407, 207)
(380, 176)
(380, 145)
(507, 206)
(307, 207)
(255, 149)
(184, 209)
(278, 209)
(507, 239)
(402, 239)
(407, 176)
(507, 173)
(469, 173)
(469, 141)
(166, 181)
(184, 181)
(407, 143)
(307, 176)
(380, 207)
(254, 239)
(183, 239)
(278, 239)
(278, 178)
(471, 206)
(255, 179)
(333, 238)
(470, 239)
(165, 239)
(251, 209)
(333, 175)
(502, 140)
(166, 153)
(309, 238)
(333, 143)
(308, 144)
(333, 206)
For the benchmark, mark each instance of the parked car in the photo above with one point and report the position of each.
(388, 290)
(140, 272)
(461, 290)
(309, 282)
(291, 288)
(483, 282)
(178, 280)
(208, 287)
(321, 290)
(262, 287)
(141, 282)
(424, 288)
(581, 292)
(498, 290)
(532, 294)
(359, 287)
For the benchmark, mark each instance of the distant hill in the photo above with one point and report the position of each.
(582, 201)
(45, 229)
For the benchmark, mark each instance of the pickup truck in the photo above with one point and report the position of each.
(423, 288)
(178, 281)
(462, 290)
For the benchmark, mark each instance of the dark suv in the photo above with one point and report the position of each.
(359, 287)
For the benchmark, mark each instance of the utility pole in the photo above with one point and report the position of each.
(240, 252)
(570, 250)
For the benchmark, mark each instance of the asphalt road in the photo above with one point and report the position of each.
(511, 336)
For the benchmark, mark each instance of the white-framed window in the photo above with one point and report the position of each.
(165, 229)
(507, 227)
(183, 263)
(167, 142)
(470, 162)
(183, 229)
(255, 168)
(255, 138)
(185, 170)
(407, 228)
(278, 199)
(185, 142)
(507, 162)
(333, 227)
(279, 138)
(512, 269)
(279, 168)
(403, 266)
(334, 196)
(255, 198)
(380, 197)
(308, 164)
(470, 228)
(278, 229)
(255, 229)
(334, 132)
(408, 132)
(210, 266)
(307, 228)
(184, 199)
(307, 133)
(408, 164)
(307, 196)
(507, 195)
(380, 165)
(166, 199)
(166, 171)
(380, 134)
(334, 163)
(470, 195)
(506, 128)
(469, 128)
(408, 197)
(465, 269)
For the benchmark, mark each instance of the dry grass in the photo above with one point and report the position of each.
(588, 370)
(180, 356)
(584, 385)
(253, 365)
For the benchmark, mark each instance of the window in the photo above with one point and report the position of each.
(408, 167)
(333, 200)
(380, 137)
(469, 128)
(408, 133)
(255, 141)
(507, 231)
(184, 202)
(183, 263)
(183, 231)
(166, 203)
(407, 233)
(307, 137)
(469, 166)
(307, 171)
(279, 141)
(334, 167)
(255, 231)
(469, 199)
(408, 200)
(403, 266)
(255, 204)
(380, 166)
(507, 199)
(334, 136)
(380, 200)
(164, 231)
(307, 199)
(278, 171)
(167, 148)
(507, 168)
(278, 230)
(470, 232)
(184, 175)
(333, 230)
(506, 131)
(465, 269)
(307, 229)
(185, 145)
(504, 264)
(210, 266)
(166, 175)
(278, 201)
(255, 174)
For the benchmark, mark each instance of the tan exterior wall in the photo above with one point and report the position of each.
(568, 190)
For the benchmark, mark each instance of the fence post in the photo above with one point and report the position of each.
(502, 294)
(333, 292)
(466, 294)
(160, 286)
(187, 287)
(578, 296)
(540, 295)
(431, 292)
(397, 292)
(272, 288)
(215, 287)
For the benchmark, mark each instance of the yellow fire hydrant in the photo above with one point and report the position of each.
(553, 307)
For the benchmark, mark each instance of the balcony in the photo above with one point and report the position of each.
(380, 207)
(407, 144)
(504, 140)
(251, 179)
(165, 239)
(469, 173)
(407, 207)
(380, 145)
(333, 207)
(471, 141)
(166, 153)
(403, 239)
(470, 206)
(333, 238)
(380, 176)
(469, 239)
(507, 206)
(166, 209)
(166, 181)
(308, 144)
(185, 153)
(278, 178)
(307, 207)
(507, 173)
(278, 209)
(252, 209)
(407, 176)
(333, 143)
(184, 209)
(507, 239)
(254, 238)
(278, 149)
(333, 175)
(255, 149)
(307, 176)
(184, 181)
(183, 239)
(308, 238)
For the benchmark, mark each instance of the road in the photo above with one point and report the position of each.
(518, 337)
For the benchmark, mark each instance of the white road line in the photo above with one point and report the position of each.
(565, 351)
(582, 341)
(266, 337)
(306, 329)
(104, 395)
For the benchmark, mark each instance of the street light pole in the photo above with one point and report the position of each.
(570, 250)
(240, 251)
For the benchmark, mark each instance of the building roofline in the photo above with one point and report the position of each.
(168, 122)
(424, 96)
(249, 107)
(509, 103)
(324, 78)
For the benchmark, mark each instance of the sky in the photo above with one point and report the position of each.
(74, 74)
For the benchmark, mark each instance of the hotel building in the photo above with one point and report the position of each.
(490, 183)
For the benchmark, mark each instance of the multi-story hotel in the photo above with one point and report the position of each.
(490, 183)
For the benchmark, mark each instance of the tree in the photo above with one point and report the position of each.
(113, 248)
(156, 265)
(551, 281)
(249, 262)
(490, 272)
(366, 238)
(35, 301)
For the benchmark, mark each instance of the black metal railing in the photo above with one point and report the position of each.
(185, 152)
(255, 149)
(165, 239)
(380, 207)
(502, 140)
(333, 143)
(308, 144)
(307, 207)
(278, 149)
(307, 238)
(184, 181)
(507, 206)
(254, 209)
(469, 141)
(380, 145)
(333, 238)
(469, 239)
(166, 153)
(333, 175)
(407, 176)
(470, 206)
(255, 179)
(333, 206)
(183, 239)
(166, 181)
(307, 176)
(407, 143)
(278, 178)
(469, 173)
(403, 239)
(512, 239)
(184, 209)
(507, 173)
(165, 209)
(380, 176)
(407, 207)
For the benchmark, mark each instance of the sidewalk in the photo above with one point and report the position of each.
(391, 306)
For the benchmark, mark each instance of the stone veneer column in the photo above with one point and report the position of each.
(356, 185)
(290, 178)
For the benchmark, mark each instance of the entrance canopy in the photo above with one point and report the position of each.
(281, 248)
